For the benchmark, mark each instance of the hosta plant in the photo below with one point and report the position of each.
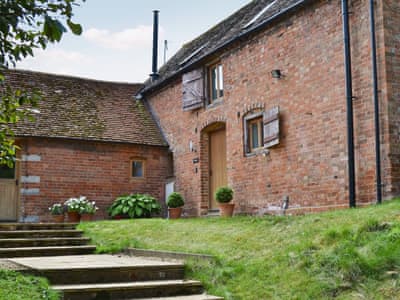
(134, 206)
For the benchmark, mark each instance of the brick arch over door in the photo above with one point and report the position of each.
(212, 163)
(213, 121)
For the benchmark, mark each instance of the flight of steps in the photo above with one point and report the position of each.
(120, 278)
(42, 239)
(60, 253)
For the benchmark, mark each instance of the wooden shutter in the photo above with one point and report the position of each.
(193, 90)
(271, 127)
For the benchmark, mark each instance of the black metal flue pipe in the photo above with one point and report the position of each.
(349, 102)
(376, 105)
(154, 69)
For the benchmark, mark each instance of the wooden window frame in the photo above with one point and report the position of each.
(143, 161)
(260, 135)
(220, 91)
(248, 136)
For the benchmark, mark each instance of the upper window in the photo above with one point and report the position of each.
(215, 82)
(137, 168)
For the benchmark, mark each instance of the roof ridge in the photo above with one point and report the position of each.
(71, 76)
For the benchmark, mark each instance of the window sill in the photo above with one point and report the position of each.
(137, 178)
(261, 151)
(215, 103)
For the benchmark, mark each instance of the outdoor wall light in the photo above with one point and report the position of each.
(192, 148)
(276, 74)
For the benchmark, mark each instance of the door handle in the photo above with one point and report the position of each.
(16, 182)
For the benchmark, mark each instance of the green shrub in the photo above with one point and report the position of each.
(224, 194)
(175, 200)
(15, 286)
(134, 206)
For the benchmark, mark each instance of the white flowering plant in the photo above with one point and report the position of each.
(75, 204)
(56, 209)
(89, 208)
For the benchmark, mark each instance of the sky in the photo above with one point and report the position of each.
(116, 43)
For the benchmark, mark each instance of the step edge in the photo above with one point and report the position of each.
(48, 248)
(207, 297)
(41, 231)
(43, 239)
(116, 268)
(127, 285)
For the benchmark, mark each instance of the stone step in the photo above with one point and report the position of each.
(46, 251)
(106, 275)
(36, 226)
(134, 290)
(43, 242)
(40, 233)
(104, 268)
(192, 297)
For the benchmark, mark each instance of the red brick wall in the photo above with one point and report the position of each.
(391, 88)
(100, 171)
(310, 163)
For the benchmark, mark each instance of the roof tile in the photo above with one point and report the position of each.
(85, 109)
(222, 33)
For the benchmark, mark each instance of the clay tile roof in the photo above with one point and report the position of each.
(86, 109)
(250, 18)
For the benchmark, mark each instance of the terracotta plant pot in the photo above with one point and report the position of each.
(58, 218)
(226, 209)
(86, 217)
(73, 216)
(120, 217)
(175, 213)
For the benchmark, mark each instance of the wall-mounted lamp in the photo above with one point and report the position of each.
(276, 74)
(192, 148)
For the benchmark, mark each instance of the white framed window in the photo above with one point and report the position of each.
(215, 82)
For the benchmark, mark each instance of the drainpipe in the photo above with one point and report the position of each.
(349, 101)
(376, 105)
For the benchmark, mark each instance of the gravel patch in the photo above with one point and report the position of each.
(9, 265)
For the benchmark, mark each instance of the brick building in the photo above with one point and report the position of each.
(258, 102)
(90, 138)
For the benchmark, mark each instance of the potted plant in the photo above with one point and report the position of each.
(73, 208)
(57, 212)
(87, 210)
(134, 206)
(224, 196)
(175, 204)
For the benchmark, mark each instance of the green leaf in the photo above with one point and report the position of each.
(138, 211)
(53, 29)
(75, 28)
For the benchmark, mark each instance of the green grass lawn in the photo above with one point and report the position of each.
(348, 254)
(14, 286)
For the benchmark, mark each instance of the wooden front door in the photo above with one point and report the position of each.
(218, 176)
(8, 194)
